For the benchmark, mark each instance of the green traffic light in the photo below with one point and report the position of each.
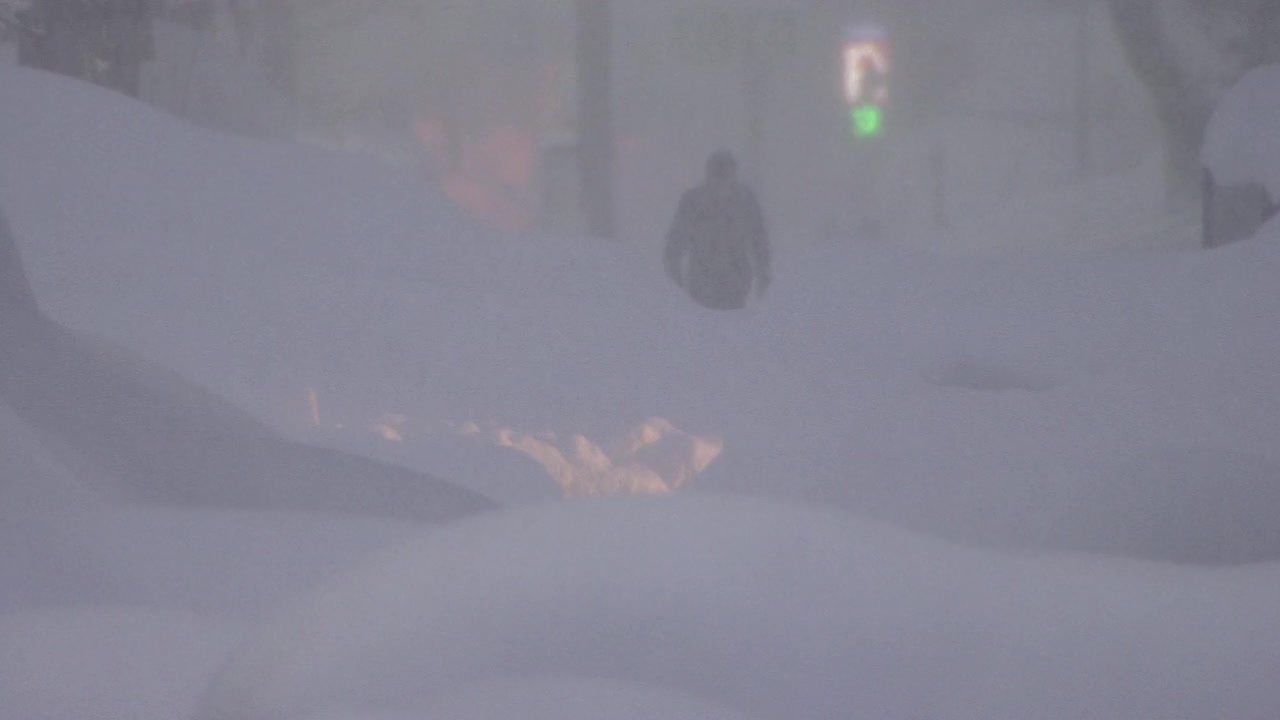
(867, 121)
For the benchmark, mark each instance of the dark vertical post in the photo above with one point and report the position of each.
(595, 114)
(753, 88)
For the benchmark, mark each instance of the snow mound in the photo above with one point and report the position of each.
(107, 663)
(1189, 503)
(1241, 144)
(239, 565)
(770, 610)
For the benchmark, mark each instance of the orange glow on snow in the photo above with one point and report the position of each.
(491, 176)
(653, 458)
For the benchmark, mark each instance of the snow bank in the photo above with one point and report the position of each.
(161, 440)
(107, 663)
(240, 565)
(1241, 145)
(773, 610)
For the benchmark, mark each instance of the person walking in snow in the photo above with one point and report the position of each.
(718, 246)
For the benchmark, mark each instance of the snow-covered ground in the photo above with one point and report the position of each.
(1004, 410)
(772, 610)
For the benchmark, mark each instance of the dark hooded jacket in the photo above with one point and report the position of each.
(718, 246)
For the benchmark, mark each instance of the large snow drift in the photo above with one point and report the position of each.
(997, 400)
(107, 663)
(777, 611)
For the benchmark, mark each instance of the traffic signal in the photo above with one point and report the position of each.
(866, 121)
(866, 79)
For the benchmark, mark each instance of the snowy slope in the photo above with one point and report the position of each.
(31, 475)
(154, 438)
(773, 610)
(107, 663)
(990, 399)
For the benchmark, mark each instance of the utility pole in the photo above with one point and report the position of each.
(748, 57)
(593, 23)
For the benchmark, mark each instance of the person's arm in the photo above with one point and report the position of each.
(678, 238)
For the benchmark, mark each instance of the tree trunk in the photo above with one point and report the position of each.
(1182, 114)
(1238, 34)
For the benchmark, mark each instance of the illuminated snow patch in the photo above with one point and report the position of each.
(653, 457)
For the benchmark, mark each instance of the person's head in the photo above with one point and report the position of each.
(721, 166)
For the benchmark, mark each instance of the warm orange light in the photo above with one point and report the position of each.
(654, 458)
(391, 427)
(492, 177)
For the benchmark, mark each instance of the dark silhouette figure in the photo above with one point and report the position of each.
(718, 245)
